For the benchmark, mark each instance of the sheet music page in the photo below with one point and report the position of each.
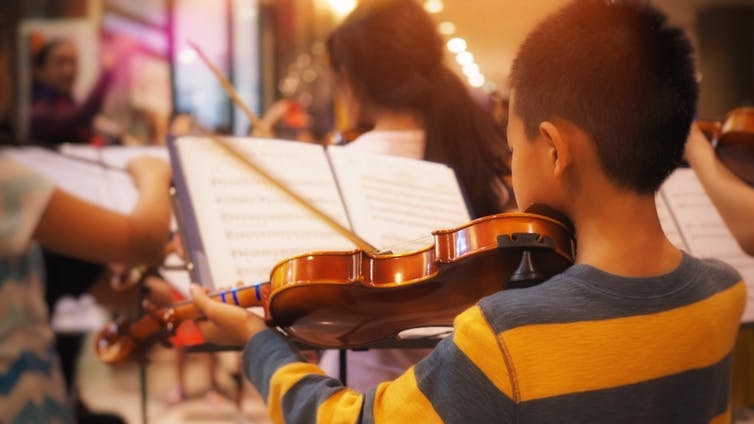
(668, 222)
(394, 202)
(85, 180)
(123, 194)
(246, 224)
(703, 229)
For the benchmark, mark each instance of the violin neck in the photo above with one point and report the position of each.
(245, 297)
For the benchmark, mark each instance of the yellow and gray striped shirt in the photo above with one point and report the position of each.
(582, 347)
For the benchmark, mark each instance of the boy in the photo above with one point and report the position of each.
(603, 94)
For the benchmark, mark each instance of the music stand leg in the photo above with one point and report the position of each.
(143, 389)
(143, 293)
(342, 366)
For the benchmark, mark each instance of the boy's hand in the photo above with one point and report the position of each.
(226, 324)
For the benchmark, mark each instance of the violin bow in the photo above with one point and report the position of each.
(231, 91)
(230, 149)
(353, 237)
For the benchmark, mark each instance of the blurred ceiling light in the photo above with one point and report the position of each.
(341, 8)
(434, 6)
(476, 80)
(447, 28)
(187, 56)
(464, 58)
(470, 69)
(456, 45)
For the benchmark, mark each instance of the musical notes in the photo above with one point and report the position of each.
(399, 207)
(247, 225)
(244, 224)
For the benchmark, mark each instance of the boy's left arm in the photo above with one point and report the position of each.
(462, 380)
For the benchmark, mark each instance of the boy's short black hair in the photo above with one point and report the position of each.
(619, 72)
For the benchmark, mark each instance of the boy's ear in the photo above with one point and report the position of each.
(559, 149)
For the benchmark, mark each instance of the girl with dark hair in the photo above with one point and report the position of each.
(388, 60)
(389, 69)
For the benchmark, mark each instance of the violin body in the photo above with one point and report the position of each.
(355, 299)
(382, 295)
(734, 141)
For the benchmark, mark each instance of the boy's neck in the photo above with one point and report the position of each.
(624, 236)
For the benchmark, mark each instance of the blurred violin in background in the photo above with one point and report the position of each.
(733, 139)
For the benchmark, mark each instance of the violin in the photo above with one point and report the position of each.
(733, 139)
(354, 299)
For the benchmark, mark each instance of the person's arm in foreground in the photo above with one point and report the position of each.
(78, 228)
(733, 198)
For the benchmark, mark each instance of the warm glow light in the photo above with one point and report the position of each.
(456, 44)
(476, 80)
(187, 56)
(447, 28)
(341, 7)
(470, 69)
(464, 58)
(434, 6)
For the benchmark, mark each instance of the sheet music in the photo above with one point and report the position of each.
(703, 229)
(247, 225)
(108, 188)
(396, 202)
(123, 194)
(668, 222)
(82, 179)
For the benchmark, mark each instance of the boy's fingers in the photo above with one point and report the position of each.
(211, 332)
(219, 312)
(202, 300)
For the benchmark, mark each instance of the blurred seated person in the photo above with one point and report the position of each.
(33, 210)
(734, 200)
(732, 196)
(286, 119)
(55, 116)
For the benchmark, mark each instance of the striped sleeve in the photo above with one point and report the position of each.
(299, 392)
(294, 390)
